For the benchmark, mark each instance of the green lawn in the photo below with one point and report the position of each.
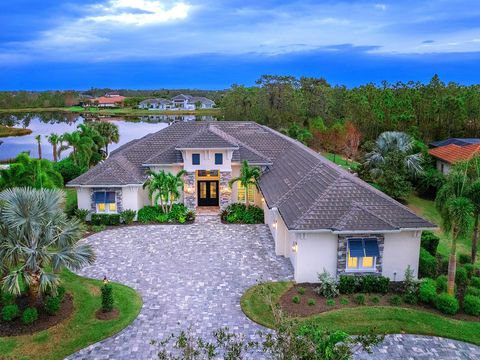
(382, 319)
(81, 329)
(340, 160)
(426, 208)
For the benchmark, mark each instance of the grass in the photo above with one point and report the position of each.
(12, 131)
(426, 208)
(81, 329)
(127, 111)
(382, 319)
(342, 161)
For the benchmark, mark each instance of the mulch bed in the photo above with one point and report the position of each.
(100, 315)
(304, 310)
(44, 321)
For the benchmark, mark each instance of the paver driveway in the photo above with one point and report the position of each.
(188, 276)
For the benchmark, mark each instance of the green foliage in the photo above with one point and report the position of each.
(330, 302)
(178, 213)
(471, 305)
(327, 286)
(472, 291)
(461, 277)
(395, 300)
(105, 219)
(163, 188)
(359, 299)
(61, 293)
(394, 178)
(427, 291)
(29, 172)
(249, 176)
(98, 228)
(107, 298)
(442, 282)
(10, 312)
(298, 133)
(311, 302)
(296, 299)
(427, 266)
(447, 304)
(375, 300)
(127, 216)
(410, 284)
(238, 213)
(410, 298)
(429, 182)
(430, 242)
(475, 281)
(470, 268)
(29, 316)
(87, 146)
(301, 290)
(8, 298)
(347, 284)
(68, 169)
(82, 214)
(464, 259)
(52, 304)
(344, 301)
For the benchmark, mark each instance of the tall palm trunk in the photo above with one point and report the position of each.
(55, 152)
(39, 150)
(475, 239)
(452, 264)
(247, 203)
(34, 289)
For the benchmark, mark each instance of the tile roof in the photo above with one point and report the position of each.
(453, 153)
(109, 99)
(456, 141)
(310, 192)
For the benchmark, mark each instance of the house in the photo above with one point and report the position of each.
(107, 101)
(321, 217)
(447, 155)
(179, 102)
(455, 141)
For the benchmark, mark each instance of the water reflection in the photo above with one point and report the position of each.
(46, 123)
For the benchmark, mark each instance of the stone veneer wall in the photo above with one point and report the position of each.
(225, 195)
(190, 190)
(342, 254)
(118, 198)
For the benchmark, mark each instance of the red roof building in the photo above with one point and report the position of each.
(450, 154)
(108, 101)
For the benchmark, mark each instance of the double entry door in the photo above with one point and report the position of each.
(207, 192)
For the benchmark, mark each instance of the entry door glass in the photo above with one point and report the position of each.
(213, 189)
(203, 189)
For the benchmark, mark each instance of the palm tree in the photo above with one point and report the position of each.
(157, 185)
(82, 147)
(390, 142)
(248, 177)
(174, 182)
(39, 241)
(54, 139)
(473, 194)
(108, 131)
(456, 211)
(39, 143)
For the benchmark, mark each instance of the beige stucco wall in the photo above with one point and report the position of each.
(207, 160)
(400, 250)
(84, 199)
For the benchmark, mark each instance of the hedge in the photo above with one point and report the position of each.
(105, 219)
(427, 266)
(427, 291)
(429, 242)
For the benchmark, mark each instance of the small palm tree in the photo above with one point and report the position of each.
(108, 131)
(174, 182)
(38, 241)
(39, 144)
(456, 211)
(54, 140)
(248, 177)
(157, 185)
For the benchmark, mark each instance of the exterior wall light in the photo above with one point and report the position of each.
(274, 225)
(295, 247)
(263, 200)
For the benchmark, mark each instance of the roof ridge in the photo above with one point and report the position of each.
(222, 134)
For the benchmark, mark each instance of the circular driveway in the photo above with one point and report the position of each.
(188, 276)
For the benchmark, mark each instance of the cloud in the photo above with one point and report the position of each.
(382, 7)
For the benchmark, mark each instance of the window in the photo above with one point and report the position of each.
(219, 159)
(362, 254)
(241, 193)
(196, 159)
(105, 202)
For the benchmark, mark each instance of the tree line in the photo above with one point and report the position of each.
(430, 111)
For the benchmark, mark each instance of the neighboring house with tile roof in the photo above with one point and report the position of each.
(107, 101)
(456, 141)
(320, 216)
(450, 154)
(179, 102)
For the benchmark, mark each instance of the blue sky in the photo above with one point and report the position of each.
(211, 44)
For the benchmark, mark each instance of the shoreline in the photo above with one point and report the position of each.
(6, 131)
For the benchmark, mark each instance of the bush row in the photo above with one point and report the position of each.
(369, 284)
(125, 217)
(179, 213)
(238, 213)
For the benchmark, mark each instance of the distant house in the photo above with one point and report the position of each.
(455, 141)
(107, 101)
(179, 102)
(447, 155)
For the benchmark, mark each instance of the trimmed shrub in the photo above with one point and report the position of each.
(395, 300)
(301, 290)
(471, 305)
(442, 282)
(330, 302)
(470, 270)
(410, 298)
(107, 298)
(427, 266)
(179, 213)
(327, 286)
(472, 291)
(344, 301)
(106, 219)
(82, 214)
(375, 300)
(442, 265)
(348, 284)
(447, 304)
(98, 228)
(461, 277)
(29, 316)
(475, 281)
(464, 259)
(8, 299)
(68, 169)
(238, 213)
(430, 242)
(296, 299)
(52, 305)
(427, 291)
(127, 216)
(10, 312)
(359, 299)
(368, 284)
(148, 214)
(311, 302)
(61, 293)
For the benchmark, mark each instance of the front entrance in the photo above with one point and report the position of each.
(207, 192)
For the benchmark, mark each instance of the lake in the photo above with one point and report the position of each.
(44, 124)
